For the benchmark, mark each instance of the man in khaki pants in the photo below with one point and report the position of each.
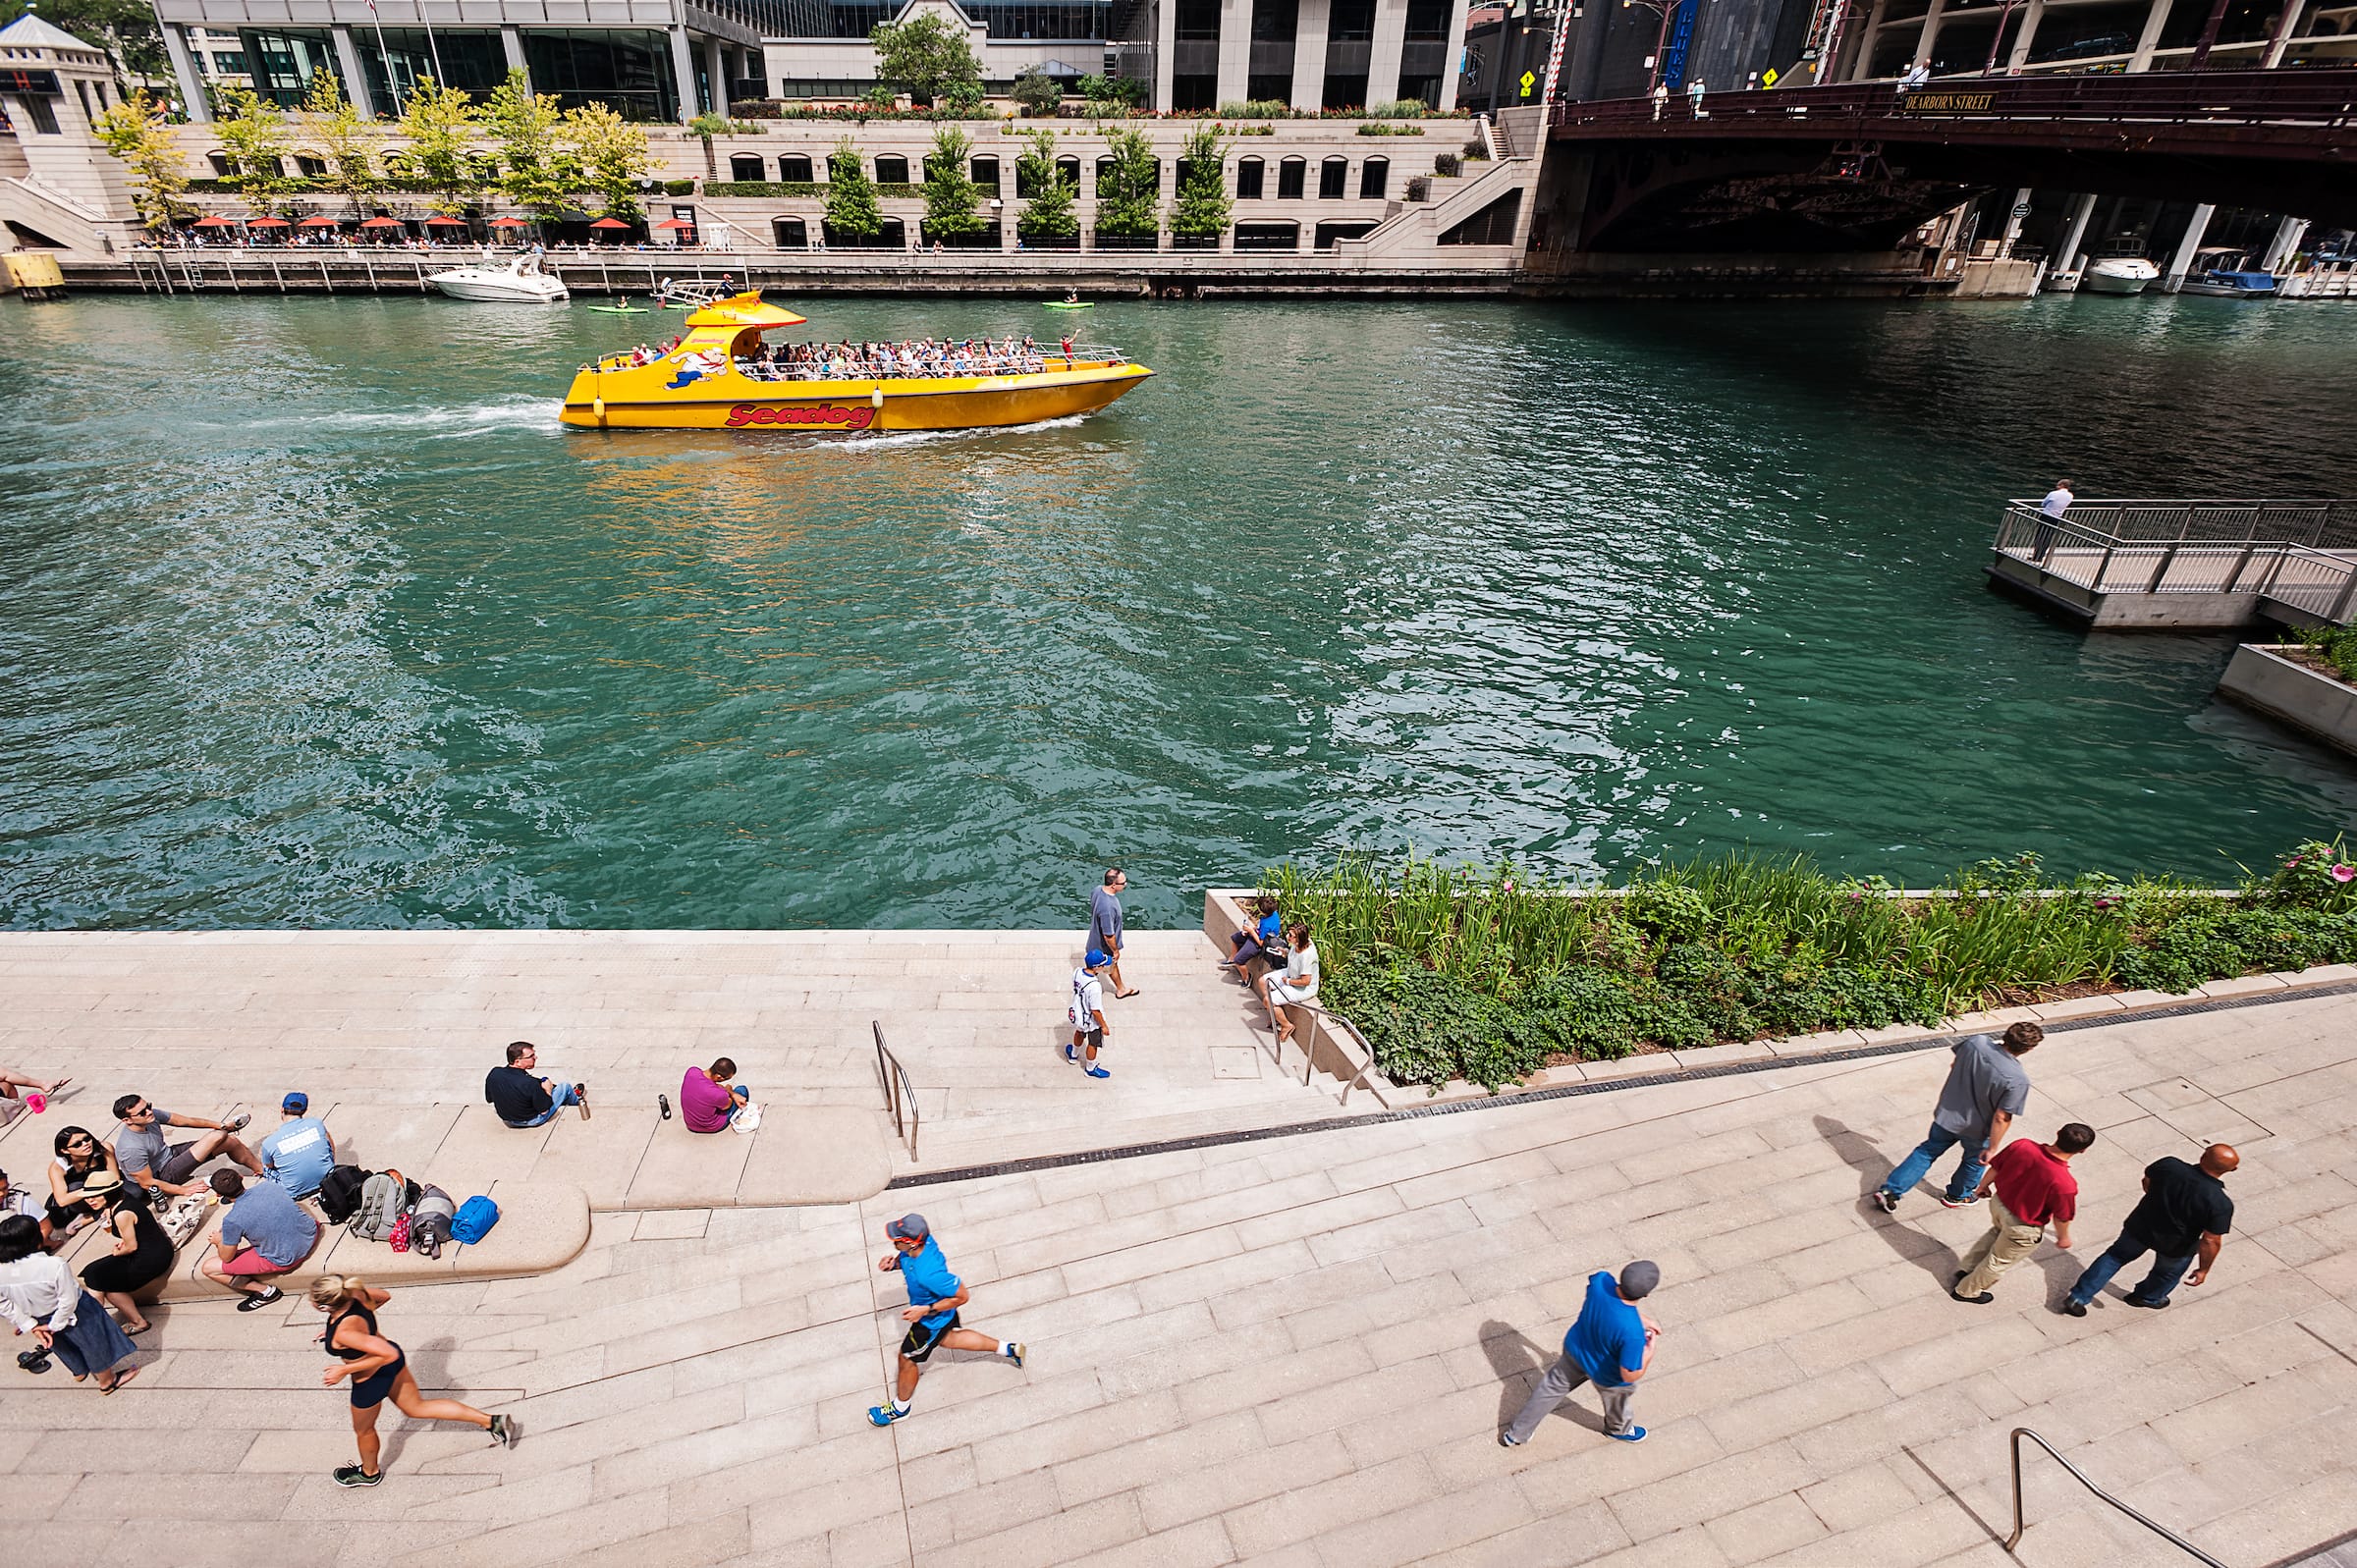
(2033, 1184)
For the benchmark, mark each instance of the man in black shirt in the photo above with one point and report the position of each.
(521, 1097)
(2186, 1214)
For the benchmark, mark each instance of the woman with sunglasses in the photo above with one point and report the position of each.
(79, 1156)
(142, 1253)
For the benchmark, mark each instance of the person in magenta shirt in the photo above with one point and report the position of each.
(706, 1102)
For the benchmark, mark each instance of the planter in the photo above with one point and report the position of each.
(2272, 681)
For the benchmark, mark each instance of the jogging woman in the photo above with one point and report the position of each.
(380, 1372)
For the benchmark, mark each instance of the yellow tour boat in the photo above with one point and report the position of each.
(722, 376)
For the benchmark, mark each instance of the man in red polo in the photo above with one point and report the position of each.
(2033, 1184)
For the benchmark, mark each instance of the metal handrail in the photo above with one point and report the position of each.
(899, 1092)
(2318, 581)
(2158, 1529)
(1365, 1070)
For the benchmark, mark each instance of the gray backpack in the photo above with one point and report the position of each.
(429, 1221)
(383, 1197)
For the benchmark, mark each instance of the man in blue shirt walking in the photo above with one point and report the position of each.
(1607, 1347)
(934, 1296)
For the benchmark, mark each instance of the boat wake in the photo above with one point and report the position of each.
(441, 424)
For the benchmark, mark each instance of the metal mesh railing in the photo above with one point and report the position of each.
(2301, 555)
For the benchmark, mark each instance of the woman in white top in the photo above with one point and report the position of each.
(39, 1296)
(1298, 981)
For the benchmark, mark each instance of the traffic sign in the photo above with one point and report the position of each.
(1530, 79)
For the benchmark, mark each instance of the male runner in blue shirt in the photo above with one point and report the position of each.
(934, 1296)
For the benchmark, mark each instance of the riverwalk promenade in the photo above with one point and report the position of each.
(1289, 1349)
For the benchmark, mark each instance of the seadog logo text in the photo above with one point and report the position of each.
(747, 414)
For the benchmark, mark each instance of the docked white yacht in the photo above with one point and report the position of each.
(520, 282)
(2118, 275)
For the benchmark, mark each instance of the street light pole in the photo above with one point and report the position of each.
(1998, 42)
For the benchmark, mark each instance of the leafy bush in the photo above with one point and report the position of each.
(2336, 646)
(678, 187)
(1452, 972)
(1399, 109)
(1391, 130)
(764, 188)
(1448, 165)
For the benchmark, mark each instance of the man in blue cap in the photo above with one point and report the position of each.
(1087, 1012)
(300, 1151)
(1608, 1346)
(934, 1296)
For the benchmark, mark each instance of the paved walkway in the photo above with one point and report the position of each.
(1296, 1351)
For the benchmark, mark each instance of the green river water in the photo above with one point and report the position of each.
(313, 614)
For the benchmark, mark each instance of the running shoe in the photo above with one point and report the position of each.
(1885, 1200)
(237, 1123)
(1095, 1071)
(354, 1475)
(1015, 1351)
(1633, 1435)
(1509, 1440)
(1071, 1053)
(1946, 1202)
(258, 1302)
(885, 1415)
(503, 1430)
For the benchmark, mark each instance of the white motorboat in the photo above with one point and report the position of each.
(520, 282)
(2118, 275)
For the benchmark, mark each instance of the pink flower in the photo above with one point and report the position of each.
(2344, 873)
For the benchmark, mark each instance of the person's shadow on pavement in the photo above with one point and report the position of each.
(1520, 1365)
(1864, 1155)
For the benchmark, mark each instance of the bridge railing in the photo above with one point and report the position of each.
(2322, 99)
(2300, 555)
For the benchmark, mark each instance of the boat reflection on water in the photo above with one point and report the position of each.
(721, 376)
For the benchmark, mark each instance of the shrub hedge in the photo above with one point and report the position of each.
(1489, 976)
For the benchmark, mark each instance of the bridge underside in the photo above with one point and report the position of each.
(1789, 195)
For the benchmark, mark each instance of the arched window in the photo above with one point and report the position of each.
(790, 233)
(1248, 179)
(1333, 179)
(309, 167)
(221, 168)
(1290, 176)
(896, 233)
(746, 166)
(986, 174)
(1103, 172)
(1069, 170)
(1374, 176)
(794, 170)
(891, 169)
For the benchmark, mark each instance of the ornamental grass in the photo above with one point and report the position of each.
(1491, 974)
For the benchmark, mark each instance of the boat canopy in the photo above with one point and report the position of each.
(742, 310)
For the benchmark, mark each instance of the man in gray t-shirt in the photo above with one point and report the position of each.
(1105, 932)
(144, 1155)
(1987, 1088)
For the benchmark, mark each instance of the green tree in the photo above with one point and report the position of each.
(614, 157)
(1129, 201)
(135, 130)
(1038, 93)
(339, 136)
(1107, 93)
(1202, 206)
(705, 126)
(126, 29)
(851, 210)
(254, 137)
(1049, 214)
(950, 194)
(928, 59)
(544, 173)
(440, 124)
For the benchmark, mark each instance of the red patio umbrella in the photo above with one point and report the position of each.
(443, 221)
(212, 223)
(318, 223)
(510, 223)
(381, 223)
(609, 223)
(268, 223)
(675, 223)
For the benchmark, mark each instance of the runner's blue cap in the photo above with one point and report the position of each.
(1097, 958)
(296, 1103)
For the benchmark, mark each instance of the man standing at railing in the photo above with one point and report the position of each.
(2049, 511)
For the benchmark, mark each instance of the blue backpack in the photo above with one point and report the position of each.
(476, 1218)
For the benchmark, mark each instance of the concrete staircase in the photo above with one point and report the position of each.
(73, 229)
(1418, 225)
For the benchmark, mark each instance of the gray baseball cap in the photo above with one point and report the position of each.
(913, 1227)
(1639, 1279)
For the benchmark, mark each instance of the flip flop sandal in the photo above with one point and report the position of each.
(120, 1379)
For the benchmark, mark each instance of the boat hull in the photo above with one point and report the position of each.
(497, 291)
(639, 399)
(2094, 282)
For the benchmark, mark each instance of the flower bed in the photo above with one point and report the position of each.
(1457, 973)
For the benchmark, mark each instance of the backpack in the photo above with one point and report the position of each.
(429, 1221)
(383, 1198)
(476, 1218)
(339, 1193)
